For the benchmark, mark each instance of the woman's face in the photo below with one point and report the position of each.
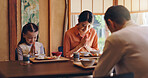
(30, 37)
(84, 27)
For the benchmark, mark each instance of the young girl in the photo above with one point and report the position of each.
(28, 43)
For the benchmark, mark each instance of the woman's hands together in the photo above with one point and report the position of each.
(84, 41)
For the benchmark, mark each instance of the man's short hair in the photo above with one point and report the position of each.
(118, 14)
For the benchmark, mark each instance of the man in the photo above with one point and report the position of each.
(127, 47)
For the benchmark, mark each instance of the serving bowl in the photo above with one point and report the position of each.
(87, 62)
(84, 53)
(95, 51)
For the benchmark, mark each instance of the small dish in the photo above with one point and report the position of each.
(57, 54)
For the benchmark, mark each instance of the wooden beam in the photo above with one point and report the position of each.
(12, 23)
(69, 14)
(103, 6)
(92, 7)
(81, 6)
(49, 31)
(115, 2)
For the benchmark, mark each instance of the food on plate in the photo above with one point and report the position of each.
(45, 58)
(50, 57)
(95, 55)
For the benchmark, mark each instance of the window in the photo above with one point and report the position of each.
(101, 29)
(138, 9)
(140, 18)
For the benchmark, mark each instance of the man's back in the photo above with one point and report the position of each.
(127, 49)
(134, 44)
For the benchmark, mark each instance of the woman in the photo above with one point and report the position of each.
(82, 37)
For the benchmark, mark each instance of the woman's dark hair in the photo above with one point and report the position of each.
(28, 27)
(117, 14)
(86, 16)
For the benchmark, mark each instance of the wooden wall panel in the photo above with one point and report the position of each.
(12, 16)
(4, 40)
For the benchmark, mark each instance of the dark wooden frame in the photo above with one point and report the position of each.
(49, 26)
(12, 25)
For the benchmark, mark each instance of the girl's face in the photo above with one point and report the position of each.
(30, 37)
(84, 26)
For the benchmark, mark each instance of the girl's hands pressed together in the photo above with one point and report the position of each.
(32, 51)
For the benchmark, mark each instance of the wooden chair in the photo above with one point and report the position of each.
(16, 55)
(60, 49)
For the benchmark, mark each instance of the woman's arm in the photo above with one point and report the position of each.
(112, 54)
(94, 44)
(67, 44)
(76, 49)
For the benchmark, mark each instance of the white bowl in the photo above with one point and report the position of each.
(84, 53)
(87, 62)
(95, 51)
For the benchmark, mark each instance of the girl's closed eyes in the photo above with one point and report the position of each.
(30, 37)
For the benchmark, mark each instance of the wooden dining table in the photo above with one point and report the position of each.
(14, 69)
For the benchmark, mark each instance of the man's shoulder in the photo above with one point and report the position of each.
(127, 32)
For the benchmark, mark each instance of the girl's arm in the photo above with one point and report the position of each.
(20, 53)
(42, 51)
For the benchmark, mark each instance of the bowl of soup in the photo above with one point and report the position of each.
(84, 53)
(87, 62)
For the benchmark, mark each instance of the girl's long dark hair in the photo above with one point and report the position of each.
(28, 27)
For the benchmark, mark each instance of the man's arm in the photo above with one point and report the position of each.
(112, 53)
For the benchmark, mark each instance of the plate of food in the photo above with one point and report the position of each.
(48, 59)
